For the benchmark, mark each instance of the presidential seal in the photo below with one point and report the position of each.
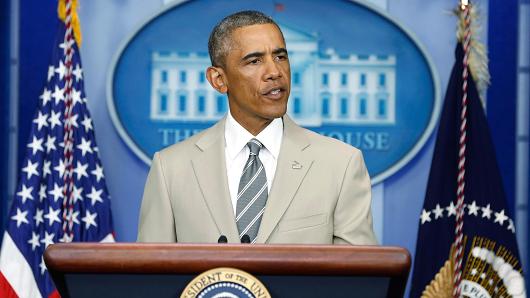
(225, 283)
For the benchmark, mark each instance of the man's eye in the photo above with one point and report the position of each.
(254, 61)
(281, 57)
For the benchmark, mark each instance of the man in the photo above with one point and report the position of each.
(256, 176)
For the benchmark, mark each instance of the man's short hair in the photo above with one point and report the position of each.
(220, 39)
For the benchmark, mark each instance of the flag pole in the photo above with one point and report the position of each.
(68, 131)
(460, 194)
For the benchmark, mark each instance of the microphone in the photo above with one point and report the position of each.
(245, 239)
(222, 239)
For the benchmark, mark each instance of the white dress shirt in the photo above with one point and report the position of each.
(237, 152)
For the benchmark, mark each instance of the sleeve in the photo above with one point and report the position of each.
(353, 214)
(156, 223)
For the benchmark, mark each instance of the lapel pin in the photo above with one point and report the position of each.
(296, 165)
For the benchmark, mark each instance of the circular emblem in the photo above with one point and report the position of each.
(364, 80)
(225, 283)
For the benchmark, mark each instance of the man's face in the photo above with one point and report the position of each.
(257, 75)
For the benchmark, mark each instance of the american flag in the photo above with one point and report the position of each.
(61, 194)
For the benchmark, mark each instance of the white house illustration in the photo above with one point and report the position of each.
(326, 88)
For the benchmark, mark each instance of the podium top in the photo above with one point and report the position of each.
(258, 258)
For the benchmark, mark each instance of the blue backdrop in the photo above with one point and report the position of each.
(403, 192)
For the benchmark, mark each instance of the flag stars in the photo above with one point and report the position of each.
(20, 217)
(42, 266)
(34, 241)
(472, 208)
(90, 219)
(87, 123)
(486, 211)
(500, 217)
(451, 209)
(25, 193)
(52, 216)
(50, 144)
(64, 45)
(98, 172)
(46, 168)
(41, 120)
(425, 216)
(72, 121)
(57, 192)
(77, 194)
(73, 217)
(36, 145)
(31, 169)
(58, 94)
(78, 73)
(66, 238)
(60, 168)
(38, 217)
(474, 271)
(85, 146)
(61, 70)
(51, 72)
(95, 195)
(438, 212)
(80, 170)
(76, 96)
(42, 192)
(55, 119)
(48, 239)
(511, 226)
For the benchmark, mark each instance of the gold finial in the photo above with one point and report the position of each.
(464, 4)
(61, 11)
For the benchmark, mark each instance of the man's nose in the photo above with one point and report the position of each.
(272, 70)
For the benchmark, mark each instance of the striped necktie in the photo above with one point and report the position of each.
(252, 194)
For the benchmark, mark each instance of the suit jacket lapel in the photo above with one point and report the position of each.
(291, 169)
(210, 171)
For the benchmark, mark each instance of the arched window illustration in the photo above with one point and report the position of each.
(344, 105)
(183, 76)
(344, 79)
(382, 80)
(221, 104)
(325, 105)
(297, 106)
(201, 102)
(163, 76)
(362, 105)
(382, 105)
(362, 80)
(202, 77)
(296, 79)
(325, 79)
(163, 103)
(182, 103)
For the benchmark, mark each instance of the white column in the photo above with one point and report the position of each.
(522, 133)
(378, 195)
(13, 101)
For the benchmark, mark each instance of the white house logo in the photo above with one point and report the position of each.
(356, 76)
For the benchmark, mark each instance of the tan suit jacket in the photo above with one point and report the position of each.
(321, 193)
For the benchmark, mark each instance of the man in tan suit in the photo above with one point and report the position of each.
(256, 175)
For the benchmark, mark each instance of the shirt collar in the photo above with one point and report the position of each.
(237, 137)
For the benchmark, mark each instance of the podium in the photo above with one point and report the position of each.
(164, 270)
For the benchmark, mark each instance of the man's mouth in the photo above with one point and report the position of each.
(274, 93)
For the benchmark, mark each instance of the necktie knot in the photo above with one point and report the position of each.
(254, 145)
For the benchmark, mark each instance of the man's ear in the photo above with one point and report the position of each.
(216, 77)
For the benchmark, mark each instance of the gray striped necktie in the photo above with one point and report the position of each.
(252, 194)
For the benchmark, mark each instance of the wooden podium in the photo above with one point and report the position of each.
(164, 270)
